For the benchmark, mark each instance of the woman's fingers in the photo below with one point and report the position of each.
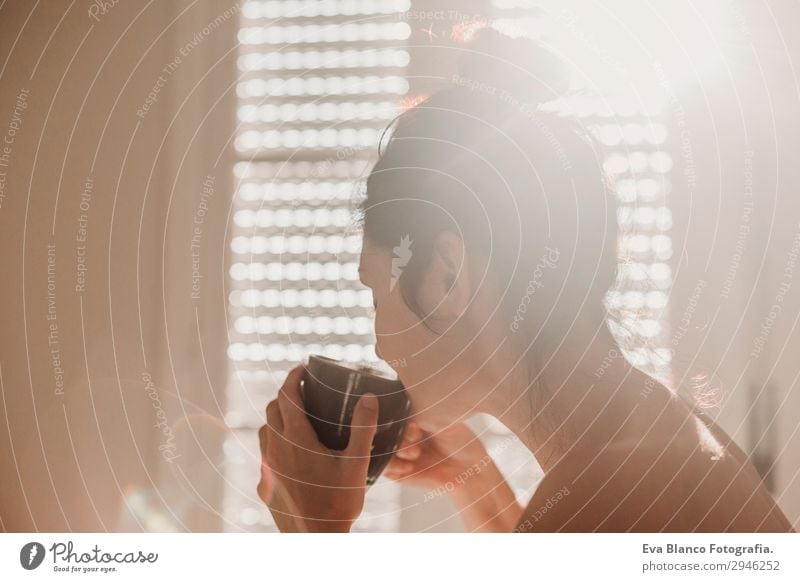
(263, 488)
(409, 452)
(363, 426)
(411, 446)
(274, 419)
(295, 375)
(292, 410)
(398, 468)
(263, 437)
(413, 432)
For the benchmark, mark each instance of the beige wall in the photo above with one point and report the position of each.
(82, 440)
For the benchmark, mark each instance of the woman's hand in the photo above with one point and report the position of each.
(432, 460)
(455, 462)
(314, 488)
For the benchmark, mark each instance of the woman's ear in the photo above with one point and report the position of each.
(446, 290)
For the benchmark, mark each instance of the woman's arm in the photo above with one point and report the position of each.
(454, 461)
(486, 502)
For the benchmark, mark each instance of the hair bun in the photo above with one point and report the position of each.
(517, 66)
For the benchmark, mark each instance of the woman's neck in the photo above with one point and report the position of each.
(579, 395)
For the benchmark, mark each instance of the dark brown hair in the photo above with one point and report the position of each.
(484, 159)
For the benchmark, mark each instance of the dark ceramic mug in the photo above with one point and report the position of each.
(330, 391)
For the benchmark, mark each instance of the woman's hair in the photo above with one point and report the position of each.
(520, 184)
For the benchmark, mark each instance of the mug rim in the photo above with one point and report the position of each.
(347, 367)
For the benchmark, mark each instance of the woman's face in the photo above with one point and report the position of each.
(437, 369)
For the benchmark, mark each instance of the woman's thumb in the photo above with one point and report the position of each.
(364, 426)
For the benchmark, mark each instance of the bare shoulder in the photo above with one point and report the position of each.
(631, 487)
(580, 494)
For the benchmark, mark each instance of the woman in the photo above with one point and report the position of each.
(489, 242)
